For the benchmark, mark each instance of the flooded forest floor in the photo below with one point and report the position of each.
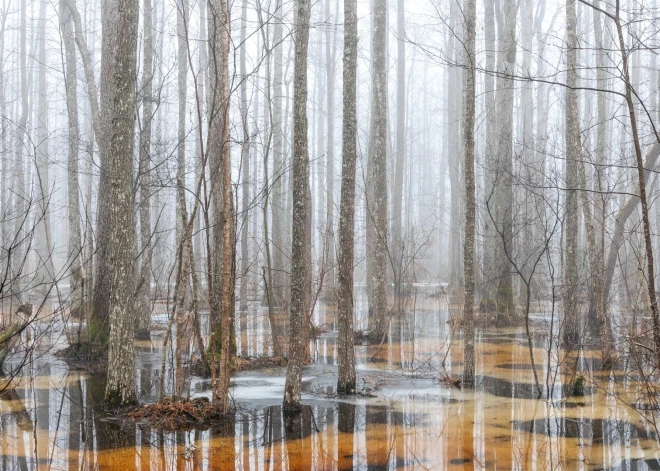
(408, 416)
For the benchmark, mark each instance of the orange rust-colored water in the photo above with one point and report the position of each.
(406, 420)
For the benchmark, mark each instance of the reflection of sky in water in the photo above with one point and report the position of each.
(414, 422)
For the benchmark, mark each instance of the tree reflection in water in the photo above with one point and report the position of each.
(413, 421)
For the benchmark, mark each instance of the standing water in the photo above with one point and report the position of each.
(411, 412)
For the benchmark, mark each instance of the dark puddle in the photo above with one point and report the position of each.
(383, 415)
(598, 431)
(503, 388)
(635, 465)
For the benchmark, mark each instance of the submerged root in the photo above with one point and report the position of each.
(258, 363)
(178, 415)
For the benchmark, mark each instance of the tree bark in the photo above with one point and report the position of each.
(346, 380)
(144, 312)
(377, 180)
(470, 8)
(120, 389)
(490, 238)
(99, 323)
(503, 191)
(43, 249)
(299, 259)
(573, 146)
(397, 203)
(71, 86)
(182, 82)
(278, 187)
(225, 267)
(245, 162)
(17, 258)
(330, 54)
(599, 320)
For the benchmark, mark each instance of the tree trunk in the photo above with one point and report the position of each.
(490, 237)
(641, 183)
(71, 86)
(470, 205)
(223, 210)
(278, 187)
(245, 163)
(144, 312)
(377, 181)
(99, 323)
(45, 269)
(573, 147)
(599, 319)
(17, 258)
(182, 82)
(120, 389)
(503, 192)
(299, 259)
(331, 57)
(397, 203)
(454, 108)
(345, 349)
